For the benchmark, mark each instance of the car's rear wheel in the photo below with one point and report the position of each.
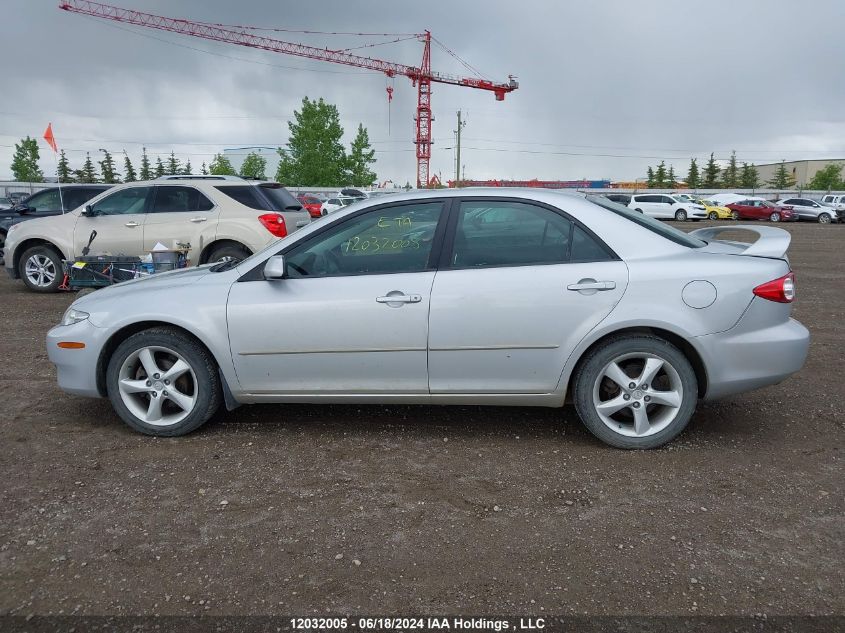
(713, 215)
(775, 217)
(228, 252)
(824, 218)
(40, 269)
(681, 215)
(635, 392)
(162, 382)
(735, 215)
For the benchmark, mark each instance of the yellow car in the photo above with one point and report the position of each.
(714, 211)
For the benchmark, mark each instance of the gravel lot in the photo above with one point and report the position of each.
(417, 510)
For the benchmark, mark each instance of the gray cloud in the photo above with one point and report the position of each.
(606, 87)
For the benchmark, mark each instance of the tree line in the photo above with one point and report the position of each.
(314, 156)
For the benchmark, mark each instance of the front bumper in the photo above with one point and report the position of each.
(752, 355)
(76, 369)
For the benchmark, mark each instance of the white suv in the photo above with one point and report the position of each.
(220, 217)
(665, 206)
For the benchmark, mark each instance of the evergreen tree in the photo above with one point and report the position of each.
(361, 156)
(159, 170)
(25, 161)
(220, 166)
(692, 175)
(146, 173)
(174, 168)
(254, 166)
(204, 169)
(660, 176)
(828, 179)
(650, 178)
(749, 178)
(671, 177)
(711, 174)
(187, 169)
(88, 173)
(129, 174)
(730, 175)
(782, 178)
(63, 171)
(107, 168)
(315, 155)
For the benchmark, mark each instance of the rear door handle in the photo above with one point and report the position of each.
(198, 219)
(132, 225)
(591, 284)
(399, 298)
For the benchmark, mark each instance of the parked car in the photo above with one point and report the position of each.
(807, 209)
(5, 203)
(665, 206)
(312, 204)
(619, 198)
(837, 201)
(338, 202)
(519, 298)
(758, 209)
(220, 219)
(52, 201)
(715, 211)
(17, 196)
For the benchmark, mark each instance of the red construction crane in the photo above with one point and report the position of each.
(421, 76)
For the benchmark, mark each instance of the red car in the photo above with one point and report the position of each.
(311, 204)
(761, 210)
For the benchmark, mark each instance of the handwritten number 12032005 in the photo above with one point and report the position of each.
(374, 244)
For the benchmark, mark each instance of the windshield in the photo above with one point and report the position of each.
(766, 203)
(655, 226)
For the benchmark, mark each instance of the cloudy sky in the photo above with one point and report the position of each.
(607, 87)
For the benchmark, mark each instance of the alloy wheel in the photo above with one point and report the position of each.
(40, 271)
(775, 217)
(824, 218)
(638, 394)
(158, 386)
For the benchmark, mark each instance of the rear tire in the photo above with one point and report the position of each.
(651, 413)
(41, 269)
(681, 215)
(735, 215)
(162, 382)
(228, 252)
(774, 217)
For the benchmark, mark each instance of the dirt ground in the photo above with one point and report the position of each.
(426, 510)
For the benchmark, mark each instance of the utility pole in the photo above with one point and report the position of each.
(461, 125)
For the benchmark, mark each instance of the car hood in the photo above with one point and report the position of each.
(152, 284)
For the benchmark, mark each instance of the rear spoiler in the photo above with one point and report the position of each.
(771, 242)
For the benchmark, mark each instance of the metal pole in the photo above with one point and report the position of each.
(458, 158)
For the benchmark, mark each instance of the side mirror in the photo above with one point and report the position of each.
(25, 210)
(88, 211)
(275, 268)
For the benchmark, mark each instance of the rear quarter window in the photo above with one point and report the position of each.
(247, 196)
(655, 226)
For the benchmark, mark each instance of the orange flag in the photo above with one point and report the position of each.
(48, 136)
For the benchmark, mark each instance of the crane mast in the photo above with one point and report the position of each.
(421, 77)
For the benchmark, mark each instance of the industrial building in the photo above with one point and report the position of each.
(802, 170)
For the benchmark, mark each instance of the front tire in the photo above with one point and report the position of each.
(162, 382)
(649, 414)
(824, 218)
(681, 215)
(774, 217)
(735, 215)
(41, 269)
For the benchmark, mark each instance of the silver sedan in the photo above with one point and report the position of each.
(490, 297)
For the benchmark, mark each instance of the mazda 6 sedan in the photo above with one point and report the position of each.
(481, 296)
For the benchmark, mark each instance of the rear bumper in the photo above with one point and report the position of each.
(748, 357)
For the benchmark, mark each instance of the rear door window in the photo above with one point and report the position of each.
(178, 199)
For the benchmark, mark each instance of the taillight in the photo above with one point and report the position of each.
(274, 223)
(781, 290)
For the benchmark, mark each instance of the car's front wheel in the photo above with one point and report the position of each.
(40, 269)
(635, 392)
(162, 382)
(775, 217)
(735, 215)
(681, 215)
(824, 218)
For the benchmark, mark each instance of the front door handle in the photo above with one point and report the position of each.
(132, 225)
(592, 284)
(397, 297)
(198, 219)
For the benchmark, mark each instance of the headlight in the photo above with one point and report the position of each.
(74, 316)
